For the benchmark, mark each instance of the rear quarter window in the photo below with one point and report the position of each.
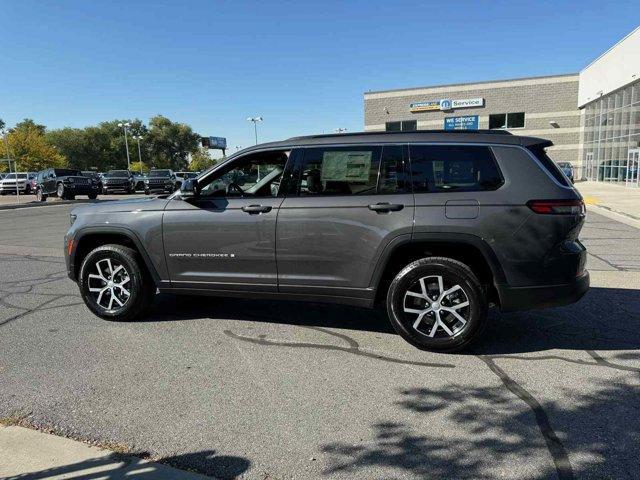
(453, 168)
(549, 165)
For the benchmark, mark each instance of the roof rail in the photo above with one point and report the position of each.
(406, 132)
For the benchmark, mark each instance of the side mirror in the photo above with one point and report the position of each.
(189, 188)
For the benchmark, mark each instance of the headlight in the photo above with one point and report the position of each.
(72, 218)
(146, 181)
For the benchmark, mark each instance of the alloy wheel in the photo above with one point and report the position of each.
(109, 285)
(436, 307)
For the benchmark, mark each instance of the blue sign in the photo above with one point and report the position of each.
(470, 122)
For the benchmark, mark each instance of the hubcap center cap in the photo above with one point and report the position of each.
(435, 306)
(110, 284)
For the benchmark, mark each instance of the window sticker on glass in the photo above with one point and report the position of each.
(346, 166)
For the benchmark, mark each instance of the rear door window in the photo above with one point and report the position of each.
(453, 168)
(339, 170)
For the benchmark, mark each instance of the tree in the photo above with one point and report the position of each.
(29, 124)
(200, 160)
(2, 124)
(136, 166)
(29, 147)
(170, 143)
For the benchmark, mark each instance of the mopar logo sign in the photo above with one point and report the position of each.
(469, 122)
(445, 104)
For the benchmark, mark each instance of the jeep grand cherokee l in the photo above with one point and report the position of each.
(434, 225)
(118, 181)
(162, 181)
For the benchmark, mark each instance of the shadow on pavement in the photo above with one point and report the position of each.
(596, 436)
(605, 319)
(122, 467)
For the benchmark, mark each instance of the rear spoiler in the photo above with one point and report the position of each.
(533, 142)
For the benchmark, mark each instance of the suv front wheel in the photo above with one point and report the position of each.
(437, 304)
(114, 283)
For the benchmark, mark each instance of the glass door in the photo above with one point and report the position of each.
(633, 162)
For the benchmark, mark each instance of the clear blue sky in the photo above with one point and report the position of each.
(302, 66)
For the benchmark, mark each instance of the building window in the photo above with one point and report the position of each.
(404, 126)
(506, 120)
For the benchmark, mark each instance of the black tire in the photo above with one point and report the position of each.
(141, 286)
(61, 192)
(41, 197)
(105, 191)
(147, 191)
(452, 273)
(93, 195)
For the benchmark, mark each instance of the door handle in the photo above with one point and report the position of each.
(385, 207)
(256, 209)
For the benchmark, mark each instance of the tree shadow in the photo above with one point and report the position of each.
(605, 319)
(493, 431)
(117, 466)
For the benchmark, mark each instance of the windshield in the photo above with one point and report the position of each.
(116, 173)
(159, 173)
(12, 176)
(66, 172)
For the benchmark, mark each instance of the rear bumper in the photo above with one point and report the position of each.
(529, 298)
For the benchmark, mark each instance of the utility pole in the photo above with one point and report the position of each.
(126, 142)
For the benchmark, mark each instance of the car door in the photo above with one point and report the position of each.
(49, 182)
(225, 238)
(351, 202)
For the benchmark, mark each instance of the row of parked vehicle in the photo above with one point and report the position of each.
(66, 183)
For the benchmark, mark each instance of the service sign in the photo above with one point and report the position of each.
(425, 106)
(469, 122)
(467, 103)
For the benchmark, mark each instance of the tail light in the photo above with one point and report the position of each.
(557, 207)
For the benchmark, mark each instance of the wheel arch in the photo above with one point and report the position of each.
(468, 249)
(89, 239)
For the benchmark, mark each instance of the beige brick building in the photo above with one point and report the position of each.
(538, 106)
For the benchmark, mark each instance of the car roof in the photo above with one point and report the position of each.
(416, 136)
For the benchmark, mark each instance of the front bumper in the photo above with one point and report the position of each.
(529, 298)
(81, 189)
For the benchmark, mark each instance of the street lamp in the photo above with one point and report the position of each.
(124, 126)
(138, 138)
(255, 121)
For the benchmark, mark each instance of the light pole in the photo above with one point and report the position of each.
(255, 121)
(124, 126)
(138, 138)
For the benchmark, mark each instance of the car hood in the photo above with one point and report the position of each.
(132, 205)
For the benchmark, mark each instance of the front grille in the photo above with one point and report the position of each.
(157, 181)
(81, 180)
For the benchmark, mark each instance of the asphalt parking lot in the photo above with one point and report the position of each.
(278, 390)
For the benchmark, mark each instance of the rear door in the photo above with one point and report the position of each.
(348, 203)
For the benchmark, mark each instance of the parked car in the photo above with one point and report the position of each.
(8, 183)
(437, 226)
(163, 181)
(118, 181)
(95, 176)
(567, 169)
(2, 175)
(139, 181)
(182, 176)
(65, 183)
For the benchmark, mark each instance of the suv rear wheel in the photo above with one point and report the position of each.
(437, 304)
(114, 283)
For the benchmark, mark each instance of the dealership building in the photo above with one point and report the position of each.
(592, 117)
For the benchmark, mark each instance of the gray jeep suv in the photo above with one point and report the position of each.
(434, 225)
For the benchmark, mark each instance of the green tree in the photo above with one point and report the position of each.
(135, 167)
(28, 124)
(201, 160)
(29, 147)
(170, 143)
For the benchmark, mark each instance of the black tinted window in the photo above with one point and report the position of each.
(339, 171)
(549, 165)
(392, 178)
(453, 168)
